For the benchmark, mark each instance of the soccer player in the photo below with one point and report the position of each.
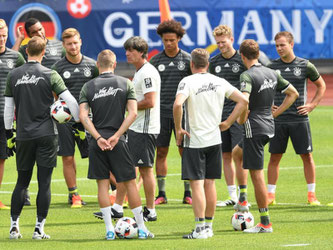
(173, 64)
(144, 130)
(9, 59)
(203, 95)
(54, 50)
(259, 85)
(294, 123)
(228, 65)
(75, 69)
(29, 91)
(108, 96)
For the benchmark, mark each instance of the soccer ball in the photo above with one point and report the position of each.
(60, 112)
(241, 221)
(126, 228)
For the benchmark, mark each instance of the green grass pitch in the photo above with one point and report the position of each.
(295, 223)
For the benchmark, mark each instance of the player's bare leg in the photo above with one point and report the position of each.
(272, 176)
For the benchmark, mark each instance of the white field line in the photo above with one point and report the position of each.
(296, 245)
(177, 174)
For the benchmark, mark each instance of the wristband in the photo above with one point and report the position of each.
(98, 138)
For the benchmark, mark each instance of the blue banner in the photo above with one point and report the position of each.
(108, 24)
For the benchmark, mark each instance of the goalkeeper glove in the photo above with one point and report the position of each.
(79, 131)
(11, 142)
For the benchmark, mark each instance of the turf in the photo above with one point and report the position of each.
(295, 223)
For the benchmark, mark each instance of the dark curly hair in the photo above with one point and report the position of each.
(170, 26)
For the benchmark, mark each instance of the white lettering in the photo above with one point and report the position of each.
(125, 33)
(319, 25)
(253, 17)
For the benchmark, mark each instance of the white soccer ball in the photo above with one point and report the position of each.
(60, 112)
(126, 228)
(241, 221)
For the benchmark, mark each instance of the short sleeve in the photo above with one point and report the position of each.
(8, 90)
(312, 72)
(183, 88)
(83, 94)
(245, 83)
(58, 85)
(130, 90)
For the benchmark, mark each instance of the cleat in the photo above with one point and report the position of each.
(197, 234)
(98, 215)
(260, 228)
(312, 200)
(40, 236)
(161, 200)
(14, 234)
(3, 206)
(187, 200)
(242, 206)
(70, 199)
(125, 203)
(209, 232)
(142, 235)
(226, 203)
(147, 216)
(110, 235)
(271, 199)
(76, 201)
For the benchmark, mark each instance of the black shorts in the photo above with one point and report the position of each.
(202, 163)
(299, 133)
(118, 161)
(167, 126)
(253, 152)
(41, 150)
(231, 137)
(3, 140)
(142, 148)
(67, 141)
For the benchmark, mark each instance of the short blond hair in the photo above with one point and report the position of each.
(69, 33)
(200, 58)
(36, 45)
(222, 30)
(106, 59)
(3, 24)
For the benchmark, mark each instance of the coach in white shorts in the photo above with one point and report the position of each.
(143, 132)
(203, 97)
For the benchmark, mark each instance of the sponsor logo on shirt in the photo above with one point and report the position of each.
(10, 63)
(297, 71)
(268, 83)
(181, 65)
(161, 67)
(287, 69)
(104, 92)
(148, 82)
(206, 88)
(27, 79)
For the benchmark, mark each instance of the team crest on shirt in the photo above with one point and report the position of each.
(218, 69)
(148, 82)
(66, 74)
(53, 51)
(181, 65)
(10, 63)
(235, 67)
(87, 72)
(297, 71)
(161, 67)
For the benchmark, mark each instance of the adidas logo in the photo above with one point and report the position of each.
(140, 161)
(76, 70)
(171, 64)
(227, 65)
(287, 69)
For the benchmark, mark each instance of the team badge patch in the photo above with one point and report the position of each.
(297, 71)
(10, 63)
(66, 74)
(235, 67)
(148, 82)
(242, 85)
(87, 72)
(181, 65)
(218, 69)
(161, 67)
(181, 86)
